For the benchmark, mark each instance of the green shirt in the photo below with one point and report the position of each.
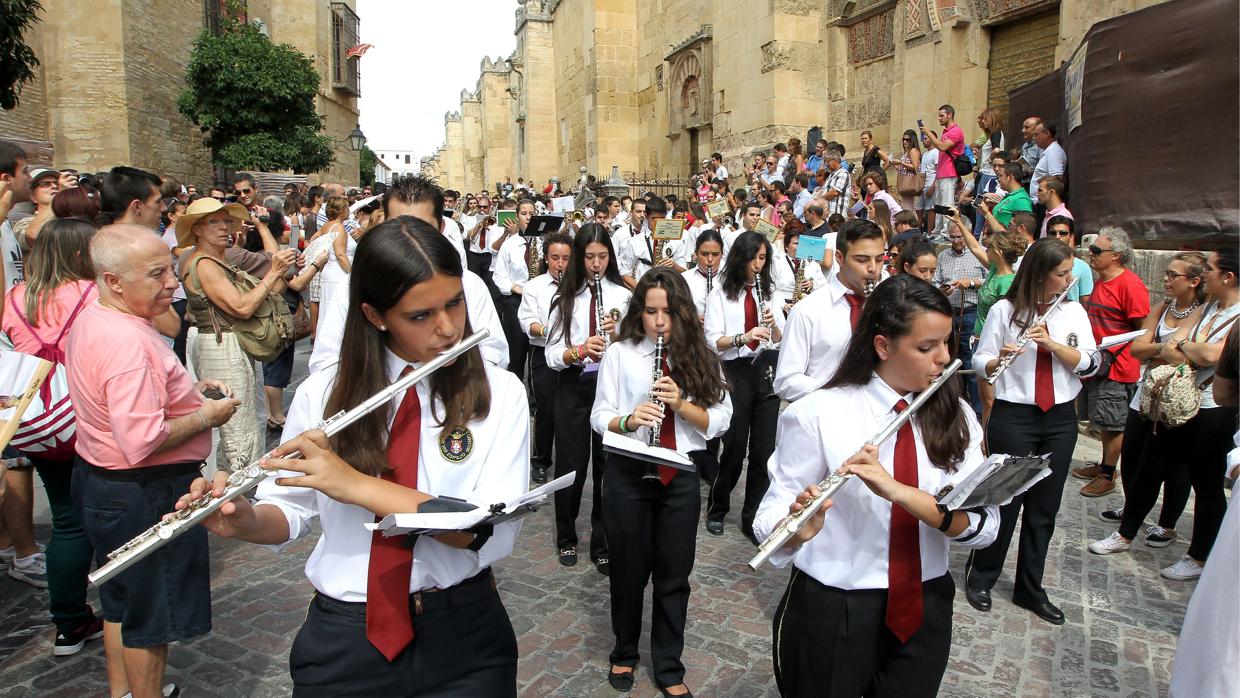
(1014, 201)
(993, 288)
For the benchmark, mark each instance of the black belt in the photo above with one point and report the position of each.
(148, 473)
(472, 590)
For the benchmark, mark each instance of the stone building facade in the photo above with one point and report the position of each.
(656, 86)
(111, 70)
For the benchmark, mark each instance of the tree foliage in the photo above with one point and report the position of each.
(255, 101)
(17, 60)
(367, 161)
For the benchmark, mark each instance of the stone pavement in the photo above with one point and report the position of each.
(1122, 622)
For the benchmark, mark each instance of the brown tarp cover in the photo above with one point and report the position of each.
(1158, 149)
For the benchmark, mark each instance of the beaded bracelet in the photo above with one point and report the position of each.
(624, 424)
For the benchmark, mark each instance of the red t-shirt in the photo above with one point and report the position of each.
(1115, 307)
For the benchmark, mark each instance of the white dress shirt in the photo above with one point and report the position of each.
(818, 333)
(478, 307)
(615, 297)
(815, 436)
(726, 317)
(452, 231)
(1069, 324)
(721, 172)
(1053, 162)
(536, 307)
(696, 278)
(510, 267)
(495, 471)
(784, 276)
(640, 246)
(624, 383)
(620, 245)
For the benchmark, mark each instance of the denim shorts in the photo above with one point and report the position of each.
(278, 373)
(166, 596)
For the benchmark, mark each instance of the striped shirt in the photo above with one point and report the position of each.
(954, 266)
(838, 181)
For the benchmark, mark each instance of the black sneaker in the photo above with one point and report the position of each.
(568, 556)
(1112, 515)
(71, 644)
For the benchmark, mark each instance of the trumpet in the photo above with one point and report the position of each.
(728, 222)
(243, 480)
(652, 438)
(1023, 340)
(575, 217)
(790, 524)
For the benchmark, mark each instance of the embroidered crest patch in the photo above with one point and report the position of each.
(1072, 341)
(456, 445)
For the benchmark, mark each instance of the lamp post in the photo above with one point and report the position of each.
(357, 139)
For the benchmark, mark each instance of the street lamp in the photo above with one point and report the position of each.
(357, 139)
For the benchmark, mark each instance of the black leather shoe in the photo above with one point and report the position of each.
(540, 475)
(603, 565)
(568, 557)
(686, 694)
(715, 528)
(1045, 610)
(622, 681)
(978, 598)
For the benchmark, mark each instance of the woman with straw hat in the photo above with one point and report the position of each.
(211, 228)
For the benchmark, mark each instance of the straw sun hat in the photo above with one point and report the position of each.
(201, 209)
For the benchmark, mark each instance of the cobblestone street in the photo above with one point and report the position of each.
(1119, 639)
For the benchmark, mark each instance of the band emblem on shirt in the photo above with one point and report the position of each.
(1072, 341)
(457, 445)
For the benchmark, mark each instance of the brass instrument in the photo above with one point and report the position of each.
(728, 222)
(533, 256)
(243, 480)
(798, 281)
(1023, 340)
(790, 524)
(652, 437)
(657, 250)
(576, 217)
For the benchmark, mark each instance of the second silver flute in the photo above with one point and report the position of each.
(1023, 339)
(249, 477)
(790, 524)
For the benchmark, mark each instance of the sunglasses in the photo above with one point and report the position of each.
(1095, 250)
(220, 199)
(1061, 233)
(242, 192)
(1173, 275)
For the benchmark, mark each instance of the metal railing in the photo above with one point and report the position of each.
(642, 182)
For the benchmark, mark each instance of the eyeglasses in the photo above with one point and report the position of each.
(242, 192)
(1173, 275)
(1095, 250)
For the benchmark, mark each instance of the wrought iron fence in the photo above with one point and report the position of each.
(642, 182)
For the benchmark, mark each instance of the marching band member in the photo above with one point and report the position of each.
(1034, 412)
(703, 276)
(582, 324)
(480, 232)
(621, 237)
(512, 271)
(642, 247)
(820, 326)
(750, 214)
(784, 272)
(389, 618)
(868, 608)
(533, 315)
(739, 332)
(651, 512)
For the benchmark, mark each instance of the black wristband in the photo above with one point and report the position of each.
(482, 534)
(947, 518)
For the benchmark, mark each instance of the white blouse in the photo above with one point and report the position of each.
(615, 298)
(1069, 325)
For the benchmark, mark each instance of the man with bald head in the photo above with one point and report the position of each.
(143, 432)
(331, 189)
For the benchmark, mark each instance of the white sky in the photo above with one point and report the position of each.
(444, 41)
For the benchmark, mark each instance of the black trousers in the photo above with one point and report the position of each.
(518, 341)
(707, 460)
(1139, 438)
(542, 385)
(480, 264)
(755, 411)
(1020, 430)
(832, 643)
(463, 645)
(1199, 447)
(178, 343)
(652, 530)
(576, 447)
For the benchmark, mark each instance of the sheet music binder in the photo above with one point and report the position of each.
(996, 482)
(445, 514)
(633, 448)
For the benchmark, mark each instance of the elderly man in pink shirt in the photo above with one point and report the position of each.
(143, 432)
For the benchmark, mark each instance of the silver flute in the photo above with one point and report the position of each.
(243, 480)
(1023, 340)
(790, 524)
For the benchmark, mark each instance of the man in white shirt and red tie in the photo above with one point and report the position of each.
(820, 325)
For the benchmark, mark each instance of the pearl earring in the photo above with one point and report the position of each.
(383, 328)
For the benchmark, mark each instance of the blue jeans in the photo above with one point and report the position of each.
(979, 220)
(962, 329)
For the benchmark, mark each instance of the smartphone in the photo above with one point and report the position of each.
(921, 124)
(945, 210)
(213, 394)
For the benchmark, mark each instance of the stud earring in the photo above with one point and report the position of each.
(383, 328)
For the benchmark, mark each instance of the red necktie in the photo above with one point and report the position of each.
(389, 625)
(667, 437)
(593, 312)
(1043, 381)
(482, 238)
(855, 303)
(904, 602)
(751, 315)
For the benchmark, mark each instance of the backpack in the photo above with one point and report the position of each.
(265, 334)
(49, 426)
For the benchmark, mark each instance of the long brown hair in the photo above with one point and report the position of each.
(60, 255)
(696, 369)
(390, 259)
(889, 311)
(1040, 260)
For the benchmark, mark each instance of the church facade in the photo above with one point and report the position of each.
(655, 86)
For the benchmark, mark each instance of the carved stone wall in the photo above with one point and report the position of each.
(691, 68)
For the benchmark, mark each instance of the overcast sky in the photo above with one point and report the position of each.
(445, 41)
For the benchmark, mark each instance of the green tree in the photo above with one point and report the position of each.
(367, 161)
(17, 60)
(255, 101)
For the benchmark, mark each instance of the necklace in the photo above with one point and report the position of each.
(1181, 314)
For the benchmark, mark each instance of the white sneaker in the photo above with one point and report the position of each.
(1183, 570)
(34, 573)
(7, 555)
(1113, 543)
